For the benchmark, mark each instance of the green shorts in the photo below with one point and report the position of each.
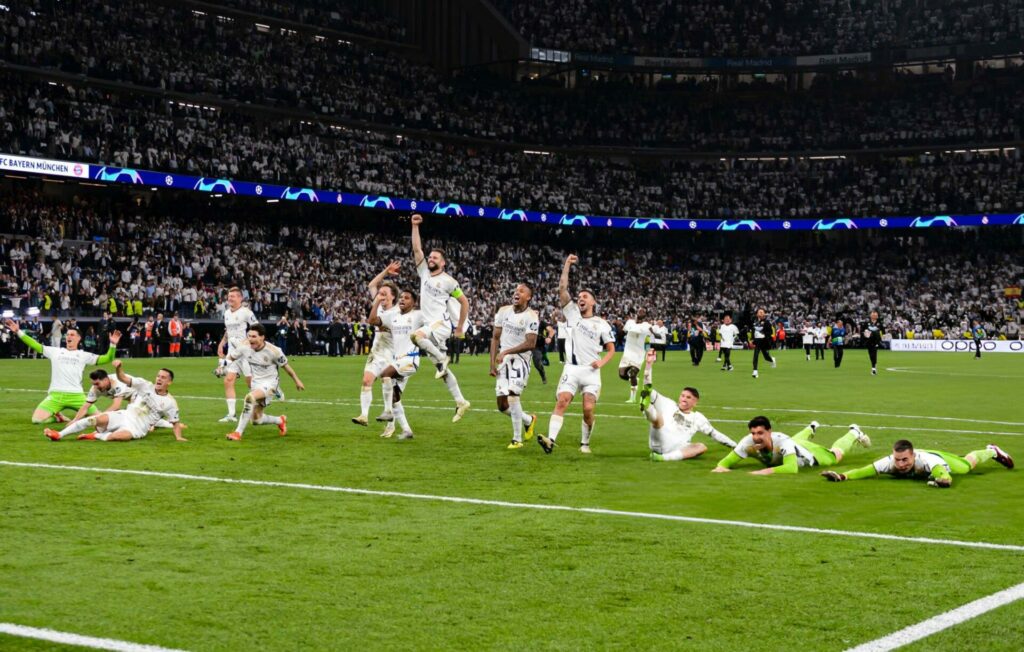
(957, 464)
(57, 401)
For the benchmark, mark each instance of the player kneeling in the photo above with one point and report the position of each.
(673, 425)
(264, 359)
(151, 404)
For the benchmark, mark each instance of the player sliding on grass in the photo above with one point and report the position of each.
(402, 320)
(588, 334)
(938, 467)
(152, 402)
(673, 425)
(381, 353)
(264, 359)
(512, 345)
(781, 453)
(103, 384)
(66, 368)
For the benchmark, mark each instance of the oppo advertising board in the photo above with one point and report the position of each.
(958, 346)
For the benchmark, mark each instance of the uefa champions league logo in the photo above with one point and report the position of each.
(122, 175)
(215, 185)
(448, 209)
(574, 220)
(834, 225)
(938, 220)
(738, 225)
(514, 215)
(1020, 220)
(300, 194)
(370, 201)
(650, 223)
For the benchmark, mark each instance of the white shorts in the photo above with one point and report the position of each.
(406, 366)
(577, 379)
(121, 420)
(668, 439)
(630, 361)
(269, 388)
(439, 332)
(376, 364)
(239, 367)
(513, 375)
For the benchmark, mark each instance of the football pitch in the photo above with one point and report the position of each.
(333, 538)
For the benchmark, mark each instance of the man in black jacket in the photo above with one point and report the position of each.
(763, 336)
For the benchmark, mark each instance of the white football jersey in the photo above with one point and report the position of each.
(382, 343)
(264, 363)
(515, 326)
(148, 406)
(66, 368)
(117, 388)
(586, 337)
(686, 424)
(435, 292)
(782, 445)
(728, 333)
(236, 324)
(402, 326)
(636, 337)
(659, 335)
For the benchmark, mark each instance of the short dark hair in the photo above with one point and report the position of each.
(259, 328)
(73, 328)
(169, 372)
(440, 251)
(412, 293)
(692, 390)
(527, 286)
(903, 445)
(762, 422)
(98, 374)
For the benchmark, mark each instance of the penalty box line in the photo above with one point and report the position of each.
(524, 506)
(943, 621)
(78, 640)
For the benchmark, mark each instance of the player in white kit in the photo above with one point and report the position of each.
(105, 385)
(673, 424)
(237, 320)
(512, 345)
(637, 331)
(151, 404)
(729, 333)
(588, 334)
(381, 352)
(440, 296)
(403, 321)
(265, 360)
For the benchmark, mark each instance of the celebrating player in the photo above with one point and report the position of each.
(237, 320)
(637, 331)
(264, 359)
(729, 334)
(587, 335)
(515, 337)
(66, 368)
(438, 292)
(938, 467)
(381, 353)
(403, 321)
(781, 453)
(151, 404)
(673, 425)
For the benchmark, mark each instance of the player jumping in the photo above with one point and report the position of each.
(514, 339)
(264, 359)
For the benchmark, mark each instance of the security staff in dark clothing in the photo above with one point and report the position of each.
(763, 336)
(838, 341)
(873, 332)
(695, 339)
(539, 351)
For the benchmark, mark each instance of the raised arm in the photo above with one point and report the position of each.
(391, 270)
(563, 281)
(111, 353)
(374, 318)
(121, 375)
(417, 244)
(23, 336)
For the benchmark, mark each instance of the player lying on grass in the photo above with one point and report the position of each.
(938, 467)
(781, 453)
(673, 425)
(103, 384)
(66, 368)
(152, 402)
(512, 345)
(264, 359)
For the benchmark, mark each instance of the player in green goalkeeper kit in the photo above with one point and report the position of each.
(938, 467)
(781, 453)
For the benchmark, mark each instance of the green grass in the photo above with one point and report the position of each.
(213, 566)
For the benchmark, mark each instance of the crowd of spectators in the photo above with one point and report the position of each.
(171, 48)
(760, 28)
(354, 16)
(139, 131)
(86, 256)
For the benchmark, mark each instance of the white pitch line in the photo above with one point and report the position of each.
(67, 638)
(524, 506)
(943, 621)
(924, 372)
(417, 405)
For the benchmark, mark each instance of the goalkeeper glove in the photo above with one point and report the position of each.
(832, 476)
(941, 483)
